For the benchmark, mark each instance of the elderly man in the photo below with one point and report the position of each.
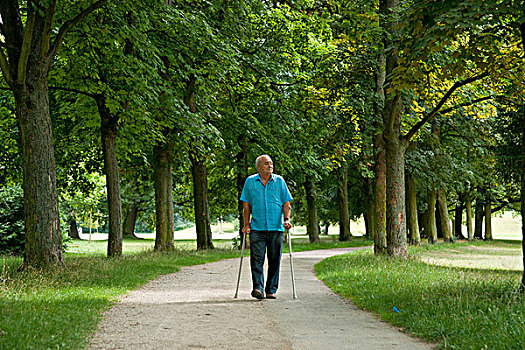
(266, 199)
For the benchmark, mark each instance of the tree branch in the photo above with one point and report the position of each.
(466, 104)
(441, 102)
(26, 45)
(504, 204)
(4, 66)
(46, 35)
(64, 29)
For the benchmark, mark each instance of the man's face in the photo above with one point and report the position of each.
(265, 166)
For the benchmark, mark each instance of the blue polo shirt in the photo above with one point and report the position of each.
(266, 202)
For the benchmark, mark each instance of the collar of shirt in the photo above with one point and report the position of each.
(272, 177)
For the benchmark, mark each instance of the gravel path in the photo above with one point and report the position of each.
(195, 309)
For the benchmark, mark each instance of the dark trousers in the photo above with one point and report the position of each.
(270, 242)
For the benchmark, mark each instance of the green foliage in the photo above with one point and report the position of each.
(10, 155)
(435, 303)
(12, 238)
(509, 138)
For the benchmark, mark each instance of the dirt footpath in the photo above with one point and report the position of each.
(195, 309)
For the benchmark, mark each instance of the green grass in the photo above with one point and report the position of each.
(61, 309)
(457, 308)
(132, 246)
(327, 242)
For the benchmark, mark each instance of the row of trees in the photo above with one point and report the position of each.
(392, 111)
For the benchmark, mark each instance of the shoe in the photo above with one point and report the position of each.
(270, 296)
(257, 294)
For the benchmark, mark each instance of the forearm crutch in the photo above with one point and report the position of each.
(240, 266)
(291, 263)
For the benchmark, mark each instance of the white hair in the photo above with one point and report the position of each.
(258, 160)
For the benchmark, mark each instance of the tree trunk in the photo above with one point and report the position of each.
(73, 228)
(411, 199)
(380, 196)
(378, 219)
(458, 219)
(342, 204)
(468, 211)
(242, 174)
(130, 220)
(488, 218)
(164, 219)
(43, 244)
(431, 227)
(108, 130)
(443, 215)
(478, 223)
(395, 144)
(326, 228)
(200, 180)
(395, 200)
(312, 228)
(200, 202)
(369, 214)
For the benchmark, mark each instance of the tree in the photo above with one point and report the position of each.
(427, 28)
(30, 42)
(119, 94)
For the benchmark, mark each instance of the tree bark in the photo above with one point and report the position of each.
(395, 144)
(43, 246)
(369, 214)
(108, 131)
(130, 220)
(200, 201)
(395, 184)
(378, 219)
(380, 196)
(164, 219)
(488, 218)
(312, 228)
(411, 198)
(342, 204)
(200, 180)
(443, 214)
(468, 211)
(478, 220)
(458, 218)
(431, 227)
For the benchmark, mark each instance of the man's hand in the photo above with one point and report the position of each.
(246, 229)
(287, 224)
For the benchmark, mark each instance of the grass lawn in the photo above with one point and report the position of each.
(455, 307)
(61, 309)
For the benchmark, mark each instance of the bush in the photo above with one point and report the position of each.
(12, 236)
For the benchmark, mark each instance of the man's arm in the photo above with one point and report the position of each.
(287, 210)
(247, 210)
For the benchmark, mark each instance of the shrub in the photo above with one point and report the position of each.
(12, 236)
